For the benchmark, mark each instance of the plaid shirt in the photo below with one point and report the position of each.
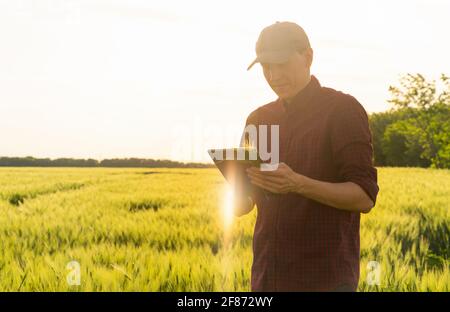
(300, 244)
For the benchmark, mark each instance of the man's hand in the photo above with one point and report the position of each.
(242, 205)
(281, 181)
(345, 195)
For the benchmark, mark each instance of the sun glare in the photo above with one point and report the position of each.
(228, 208)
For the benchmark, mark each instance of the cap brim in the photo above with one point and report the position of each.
(275, 57)
(253, 63)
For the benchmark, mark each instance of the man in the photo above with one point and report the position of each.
(306, 236)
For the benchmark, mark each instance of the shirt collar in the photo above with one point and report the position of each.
(302, 98)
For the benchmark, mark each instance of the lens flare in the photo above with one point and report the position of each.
(228, 207)
(227, 217)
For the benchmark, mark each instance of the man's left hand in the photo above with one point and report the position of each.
(280, 181)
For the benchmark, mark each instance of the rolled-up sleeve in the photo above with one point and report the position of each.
(351, 144)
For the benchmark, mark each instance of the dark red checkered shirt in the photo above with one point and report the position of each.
(300, 244)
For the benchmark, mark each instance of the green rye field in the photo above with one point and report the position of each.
(169, 230)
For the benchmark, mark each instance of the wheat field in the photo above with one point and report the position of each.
(79, 229)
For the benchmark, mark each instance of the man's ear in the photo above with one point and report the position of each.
(309, 55)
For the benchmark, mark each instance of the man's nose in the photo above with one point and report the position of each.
(274, 75)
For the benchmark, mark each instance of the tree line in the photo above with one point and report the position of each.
(415, 132)
(116, 162)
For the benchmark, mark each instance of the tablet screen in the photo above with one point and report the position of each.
(232, 163)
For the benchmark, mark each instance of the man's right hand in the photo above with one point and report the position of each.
(242, 205)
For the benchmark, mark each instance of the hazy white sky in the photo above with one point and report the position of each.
(168, 79)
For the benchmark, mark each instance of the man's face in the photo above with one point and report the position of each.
(288, 78)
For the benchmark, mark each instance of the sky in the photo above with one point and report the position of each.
(168, 79)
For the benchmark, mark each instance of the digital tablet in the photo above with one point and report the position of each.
(233, 162)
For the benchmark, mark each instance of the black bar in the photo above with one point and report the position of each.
(221, 301)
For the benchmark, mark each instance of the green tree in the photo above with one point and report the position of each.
(378, 125)
(427, 125)
(401, 145)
